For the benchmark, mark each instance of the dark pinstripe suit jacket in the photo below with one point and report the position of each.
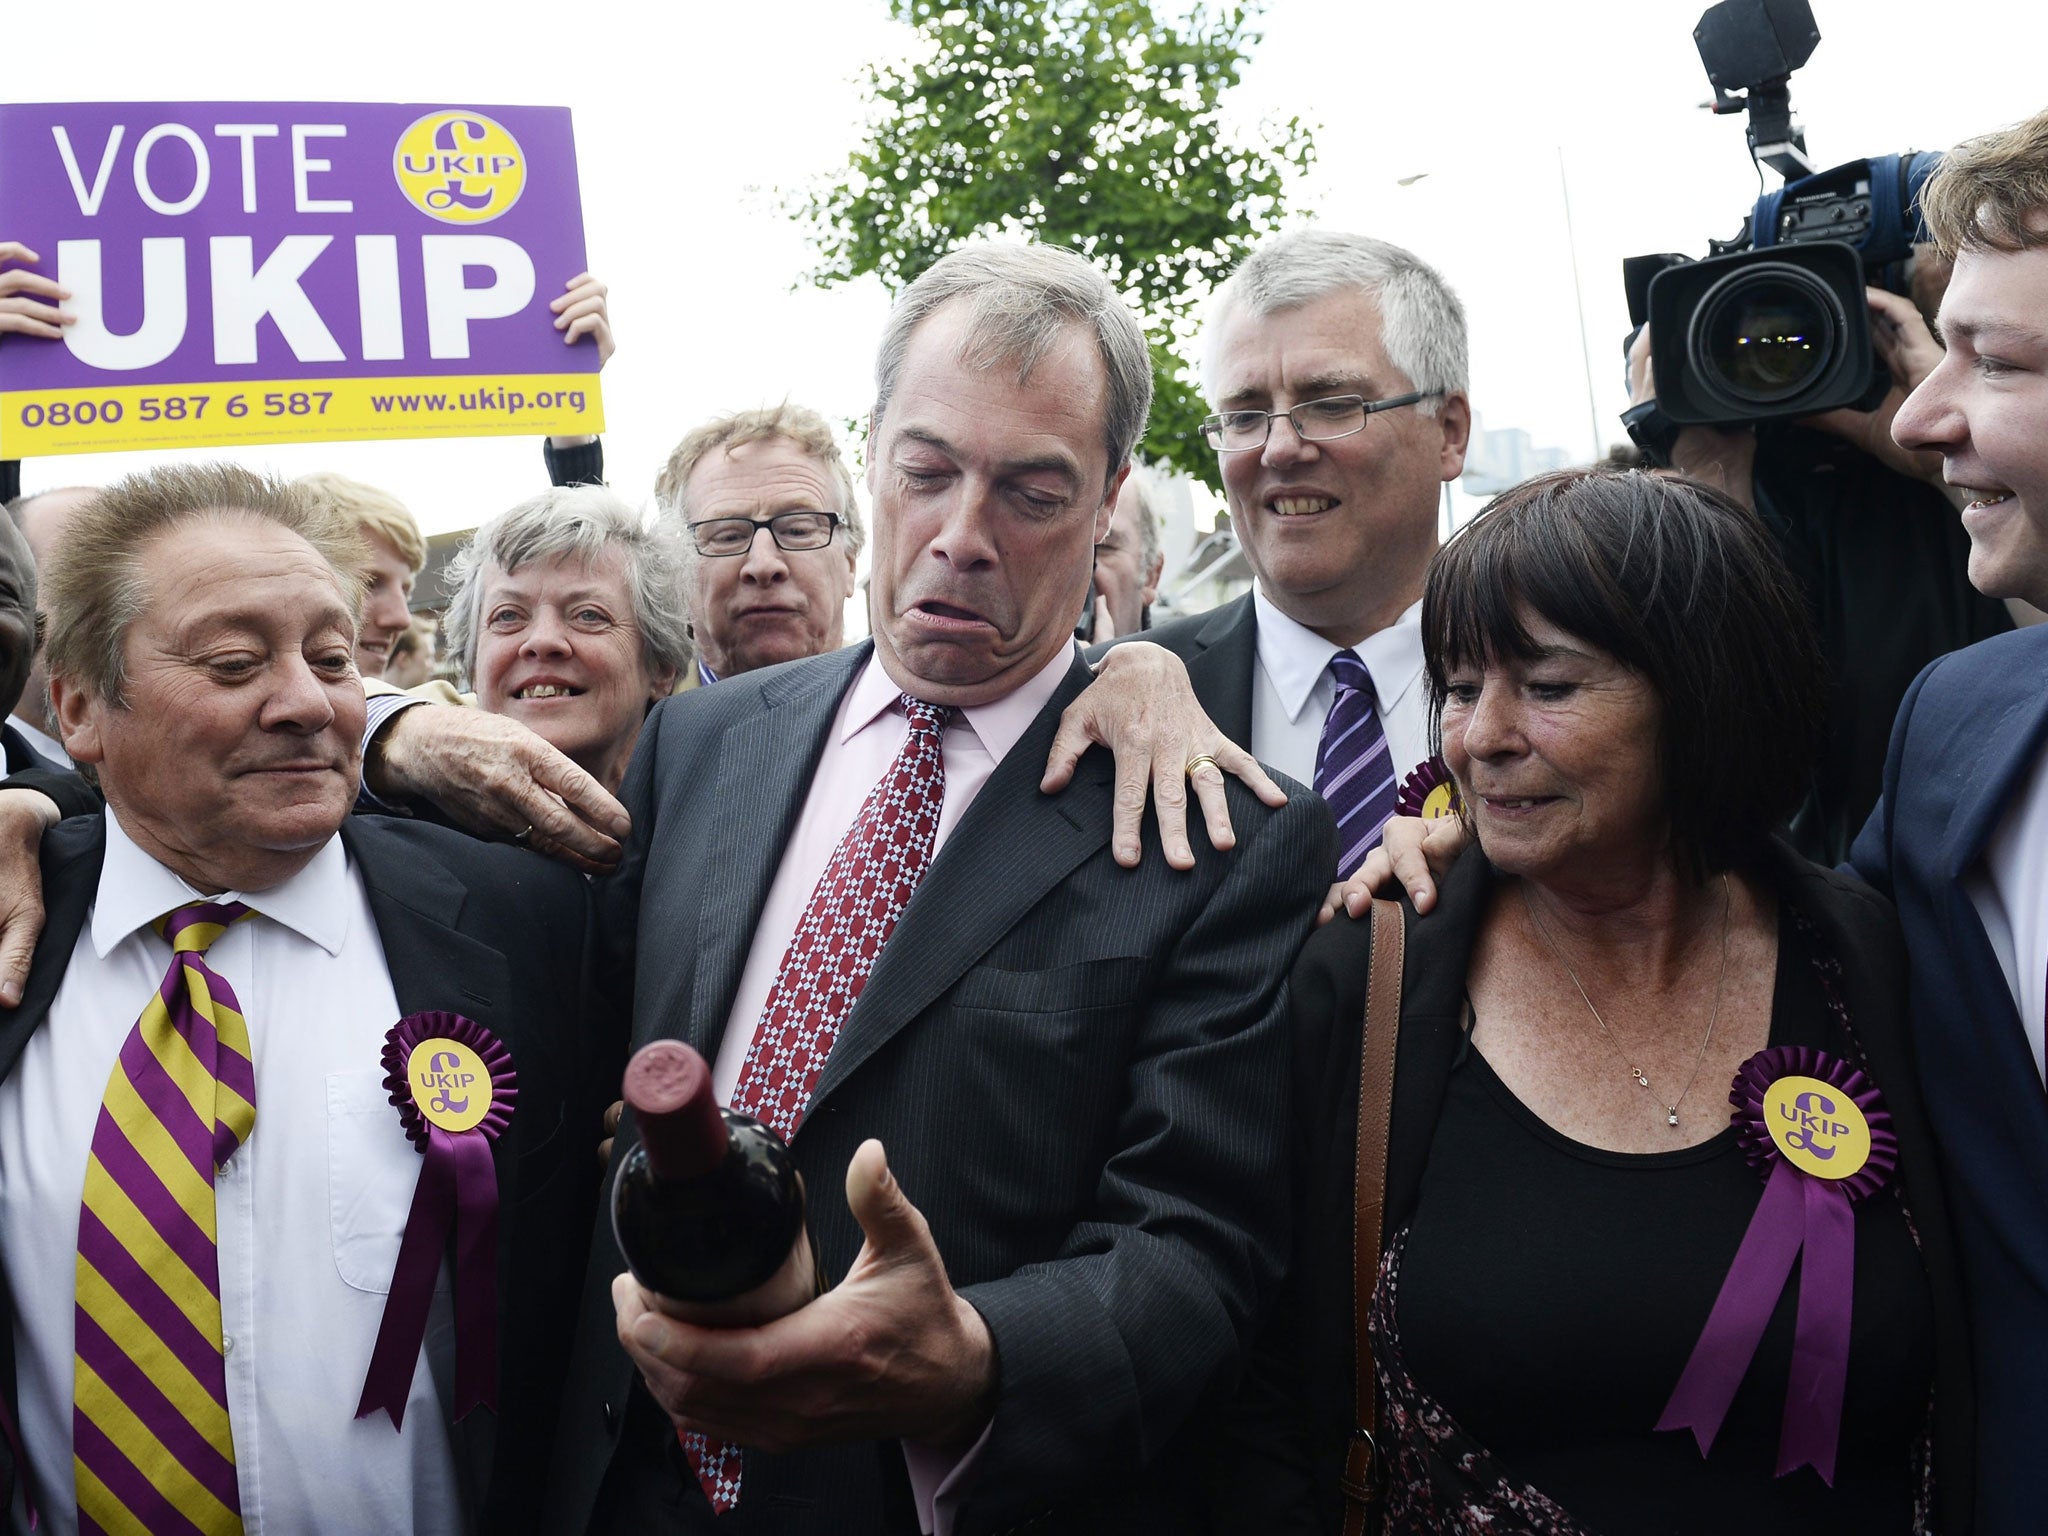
(1079, 1072)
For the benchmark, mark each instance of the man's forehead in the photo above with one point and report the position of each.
(964, 395)
(1329, 345)
(771, 473)
(241, 573)
(1998, 293)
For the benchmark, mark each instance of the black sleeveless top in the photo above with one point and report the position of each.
(1550, 1294)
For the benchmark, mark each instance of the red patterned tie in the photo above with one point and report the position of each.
(850, 916)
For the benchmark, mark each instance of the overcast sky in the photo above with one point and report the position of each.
(693, 121)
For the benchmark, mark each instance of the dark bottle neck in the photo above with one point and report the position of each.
(669, 1087)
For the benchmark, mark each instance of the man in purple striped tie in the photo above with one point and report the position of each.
(204, 1180)
(1336, 365)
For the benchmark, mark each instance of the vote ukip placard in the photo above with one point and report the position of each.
(293, 272)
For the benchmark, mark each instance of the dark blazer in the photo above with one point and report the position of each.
(1296, 1414)
(1078, 1071)
(501, 936)
(20, 754)
(1962, 749)
(1220, 648)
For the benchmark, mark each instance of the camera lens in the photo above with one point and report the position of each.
(1765, 333)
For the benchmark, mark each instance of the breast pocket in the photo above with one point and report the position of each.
(372, 1171)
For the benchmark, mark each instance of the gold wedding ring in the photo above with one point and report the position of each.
(1201, 759)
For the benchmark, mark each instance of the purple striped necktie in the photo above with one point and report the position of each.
(1354, 769)
(152, 1449)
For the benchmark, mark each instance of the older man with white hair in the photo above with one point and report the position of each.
(1336, 365)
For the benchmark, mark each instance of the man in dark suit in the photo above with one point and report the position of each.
(213, 1320)
(1960, 839)
(23, 688)
(1037, 1097)
(1336, 364)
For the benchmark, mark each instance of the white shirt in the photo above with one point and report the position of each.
(1292, 691)
(310, 1210)
(2009, 888)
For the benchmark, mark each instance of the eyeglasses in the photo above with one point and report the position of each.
(792, 531)
(1315, 421)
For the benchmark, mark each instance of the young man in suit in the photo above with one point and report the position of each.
(188, 1340)
(1960, 839)
(1336, 365)
(1037, 1096)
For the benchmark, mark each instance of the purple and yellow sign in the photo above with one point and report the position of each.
(293, 272)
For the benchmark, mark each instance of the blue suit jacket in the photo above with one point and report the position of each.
(1966, 738)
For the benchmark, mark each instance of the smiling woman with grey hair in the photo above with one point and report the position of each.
(567, 616)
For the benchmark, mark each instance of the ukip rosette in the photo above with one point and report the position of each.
(1817, 1130)
(1429, 792)
(455, 1089)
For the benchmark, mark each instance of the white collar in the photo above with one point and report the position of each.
(998, 724)
(1295, 657)
(135, 890)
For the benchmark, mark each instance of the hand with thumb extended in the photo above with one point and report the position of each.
(892, 1351)
(896, 1230)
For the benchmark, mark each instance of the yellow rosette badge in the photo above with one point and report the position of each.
(450, 1084)
(454, 1086)
(460, 167)
(1817, 1126)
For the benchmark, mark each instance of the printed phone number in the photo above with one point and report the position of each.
(87, 413)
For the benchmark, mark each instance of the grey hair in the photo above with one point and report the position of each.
(1020, 301)
(1144, 486)
(581, 521)
(1422, 324)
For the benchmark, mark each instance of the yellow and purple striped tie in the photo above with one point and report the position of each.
(152, 1449)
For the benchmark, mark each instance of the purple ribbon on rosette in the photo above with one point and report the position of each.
(458, 1193)
(1801, 1216)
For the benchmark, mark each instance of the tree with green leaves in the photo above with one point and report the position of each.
(1087, 123)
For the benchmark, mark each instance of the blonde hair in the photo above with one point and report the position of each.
(795, 424)
(376, 513)
(1991, 192)
(98, 583)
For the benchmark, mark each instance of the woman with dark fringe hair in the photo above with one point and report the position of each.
(1604, 1299)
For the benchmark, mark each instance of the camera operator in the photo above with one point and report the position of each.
(1873, 537)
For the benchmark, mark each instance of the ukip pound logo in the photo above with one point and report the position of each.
(450, 1084)
(1819, 1128)
(460, 167)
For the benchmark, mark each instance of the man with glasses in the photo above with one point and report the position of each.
(773, 532)
(1336, 364)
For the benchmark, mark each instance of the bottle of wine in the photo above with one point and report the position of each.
(708, 1208)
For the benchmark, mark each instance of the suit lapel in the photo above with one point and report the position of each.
(1998, 759)
(70, 883)
(1221, 671)
(765, 766)
(958, 913)
(416, 903)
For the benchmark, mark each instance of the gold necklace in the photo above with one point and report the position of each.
(1636, 1072)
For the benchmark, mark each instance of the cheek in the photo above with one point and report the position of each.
(494, 657)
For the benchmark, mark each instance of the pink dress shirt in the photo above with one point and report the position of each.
(866, 735)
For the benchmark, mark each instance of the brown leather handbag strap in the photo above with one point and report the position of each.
(1363, 1466)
